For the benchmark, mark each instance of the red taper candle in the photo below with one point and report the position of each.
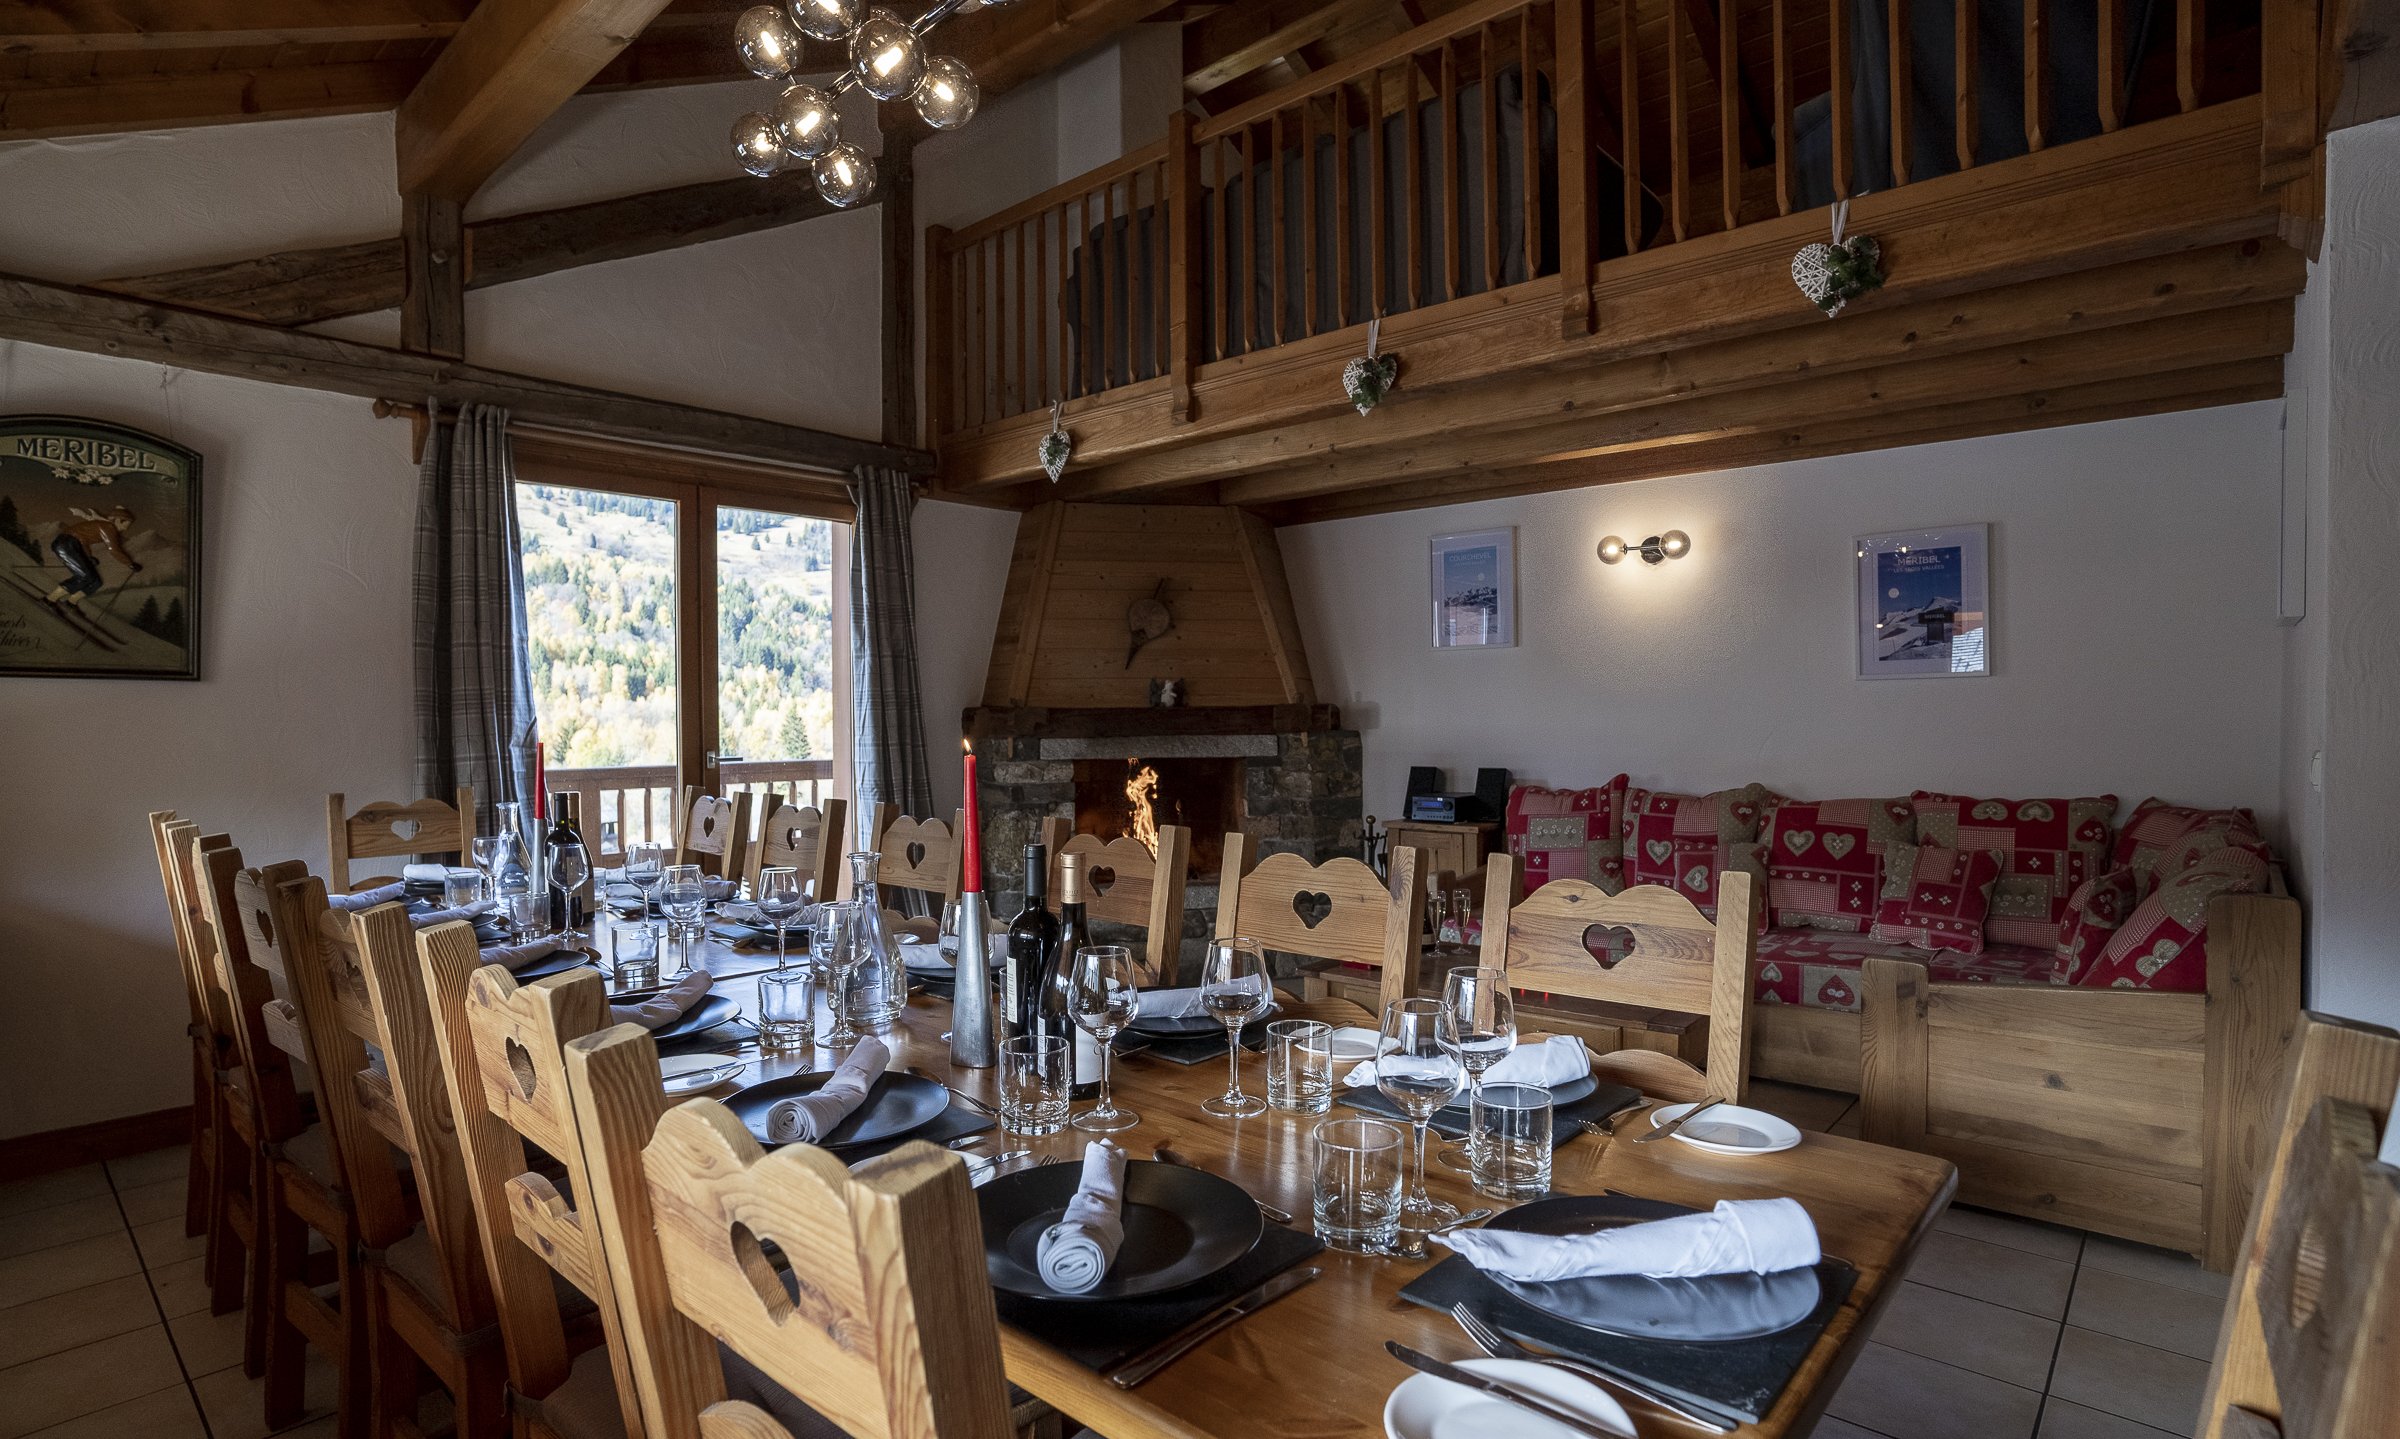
(970, 860)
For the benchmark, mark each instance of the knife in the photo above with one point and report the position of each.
(1679, 1121)
(1531, 1403)
(1158, 1356)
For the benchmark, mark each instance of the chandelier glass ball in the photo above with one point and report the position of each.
(806, 121)
(756, 145)
(885, 53)
(768, 43)
(825, 19)
(845, 176)
(946, 99)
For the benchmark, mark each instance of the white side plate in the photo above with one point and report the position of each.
(1729, 1129)
(1424, 1407)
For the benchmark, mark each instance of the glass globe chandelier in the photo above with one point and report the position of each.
(880, 54)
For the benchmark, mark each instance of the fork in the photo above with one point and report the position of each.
(1499, 1346)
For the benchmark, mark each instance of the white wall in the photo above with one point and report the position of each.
(2344, 660)
(2135, 643)
(962, 566)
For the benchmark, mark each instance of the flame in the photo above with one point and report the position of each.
(1141, 791)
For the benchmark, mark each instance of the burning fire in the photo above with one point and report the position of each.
(1141, 792)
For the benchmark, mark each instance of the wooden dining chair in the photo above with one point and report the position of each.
(894, 1334)
(501, 1047)
(2303, 1350)
(1647, 947)
(714, 833)
(1126, 884)
(429, 1300)
(298, 1186)
(807, 839)
(389, 830)
(1339, 912)
(916, 855)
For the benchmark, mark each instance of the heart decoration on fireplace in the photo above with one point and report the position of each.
(1101, 877)
(1608, 943)
(1312, 906)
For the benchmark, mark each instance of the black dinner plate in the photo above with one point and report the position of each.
(1717, 1309)
(896, 1104)
(1181, 1226)
(556, 962)
(1560, 1094)
(1169, 1027)
(711, 1011)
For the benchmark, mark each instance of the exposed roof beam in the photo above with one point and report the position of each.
(506, 71)
(71, 26)
(1234, 42)
(71, 319)
(1007, 45)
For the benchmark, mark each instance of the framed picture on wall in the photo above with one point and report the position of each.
(1475, 589)
(99, 551)
(1925, 603)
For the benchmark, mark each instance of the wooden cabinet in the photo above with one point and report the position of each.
(1453, 850)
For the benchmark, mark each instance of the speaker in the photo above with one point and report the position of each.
(1491, 793)
(1423, 779)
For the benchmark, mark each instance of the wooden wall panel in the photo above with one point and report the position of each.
(1062, 637)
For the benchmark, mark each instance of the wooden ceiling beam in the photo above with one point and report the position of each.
(1255, 33)
(507, 70)
(67, 318)
(39, 27)
(2199, 388)
(1009, 44)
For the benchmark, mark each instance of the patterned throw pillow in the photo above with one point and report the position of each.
(1686, 841)
(1825, 860)
(2047, 847)
(2163, 944)
(1937, 898)
(2098, 906)
(2161, 839)
(1569, 834)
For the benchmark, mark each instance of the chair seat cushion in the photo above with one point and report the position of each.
(1820, 971)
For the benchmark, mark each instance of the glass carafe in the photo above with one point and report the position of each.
(512, 871)
(879, 983)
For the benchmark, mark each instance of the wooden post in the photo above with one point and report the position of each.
(433, 249)
(1578, 221)
(899, 276)
(1892, 1051)
(2037, 75)
(2287, 96)
(941, 333)
(1184, 208)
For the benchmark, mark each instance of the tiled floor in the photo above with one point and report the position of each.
(2005, 1329)
(104, 1323)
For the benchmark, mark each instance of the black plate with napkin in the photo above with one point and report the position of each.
(1101, 1334)
(1603, 1101)
(1737, 1380)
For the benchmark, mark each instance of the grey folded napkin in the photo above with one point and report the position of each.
(1184, 1003)
(424, 874)
(368, 898)
(428, 918)
(517, 956)
(807, 1118)
(666, 1006)
(1074, 1254)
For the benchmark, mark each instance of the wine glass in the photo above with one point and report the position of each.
(1103, 993)
(569, 868)
(486, 851)
(837, 951)
(1418, 1068)
(682, 898)
(782, 895)
(1233, 987)
(1484, 1017)
(646, 869)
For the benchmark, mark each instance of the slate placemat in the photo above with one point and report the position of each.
(1592, 1108)
(1737, 1380)
(1102, 1334)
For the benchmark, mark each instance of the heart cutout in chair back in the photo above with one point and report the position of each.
(750, 1252)
(708, 824)
(915, 854)
(1101, 878)
(262, 926)
(520, 1065)
(1312, 906)
(1607, 943)
(405, 830)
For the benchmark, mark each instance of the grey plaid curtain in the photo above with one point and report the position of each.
(475, 722)
(888, 711)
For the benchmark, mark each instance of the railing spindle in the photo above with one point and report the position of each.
(2111, 65)
(1414, 193)
(976, 344)
(1838, 55)
(1729, 113)
(1308, 218)
(2037, 74)
(1529, 190)
(1178, 219)
(1452, 268)
(1220, 267)
(941, 332)
(1969, 124)
(2191, 50)
(1487, 45)
(1041, 331)
(1578, 168)
(1629, 114)
(1902, 98)
(1108, 292)
(1025, 308)
(1783, 113)
(1342, 228)
(1250, 220)
(1166, 210)
(1275, 328)
(1679, 140)
(1378, 203)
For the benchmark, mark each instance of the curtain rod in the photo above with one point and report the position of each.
(415, 412)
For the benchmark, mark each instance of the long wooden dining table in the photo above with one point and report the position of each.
(1312, 1364)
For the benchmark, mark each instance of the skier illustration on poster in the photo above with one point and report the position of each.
(75, 546)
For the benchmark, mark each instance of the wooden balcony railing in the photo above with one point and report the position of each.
(637, 804)
(1511, 143)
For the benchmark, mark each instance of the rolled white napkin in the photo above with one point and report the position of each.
(1183, 1003)
(368, 898)
(517, 956)
(1075, 1253)
(805, 1118)
(424, 874)
(1560, 1059)
(923, 957)
(666, 1006)
(1739, 1236)
(718, 889)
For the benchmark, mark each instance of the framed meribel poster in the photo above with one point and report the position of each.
(1475, 589)
(99, 551)
(1925, 603)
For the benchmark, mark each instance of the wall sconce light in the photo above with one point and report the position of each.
(1673, 545)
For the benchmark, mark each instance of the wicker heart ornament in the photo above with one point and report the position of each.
(1832, 275)
(1370, 377)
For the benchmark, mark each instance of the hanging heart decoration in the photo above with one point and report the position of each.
(1832, 275)
(1370, 377)
(1056, 445)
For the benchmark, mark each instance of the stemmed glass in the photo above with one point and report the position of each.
(569, 868)
(1418, 1068)
(487, 850)
(837, 951)
(1104, 993)
(1484, 1017)
(682, 899)
(646, 869)
(781, 897)
(1233, 987)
